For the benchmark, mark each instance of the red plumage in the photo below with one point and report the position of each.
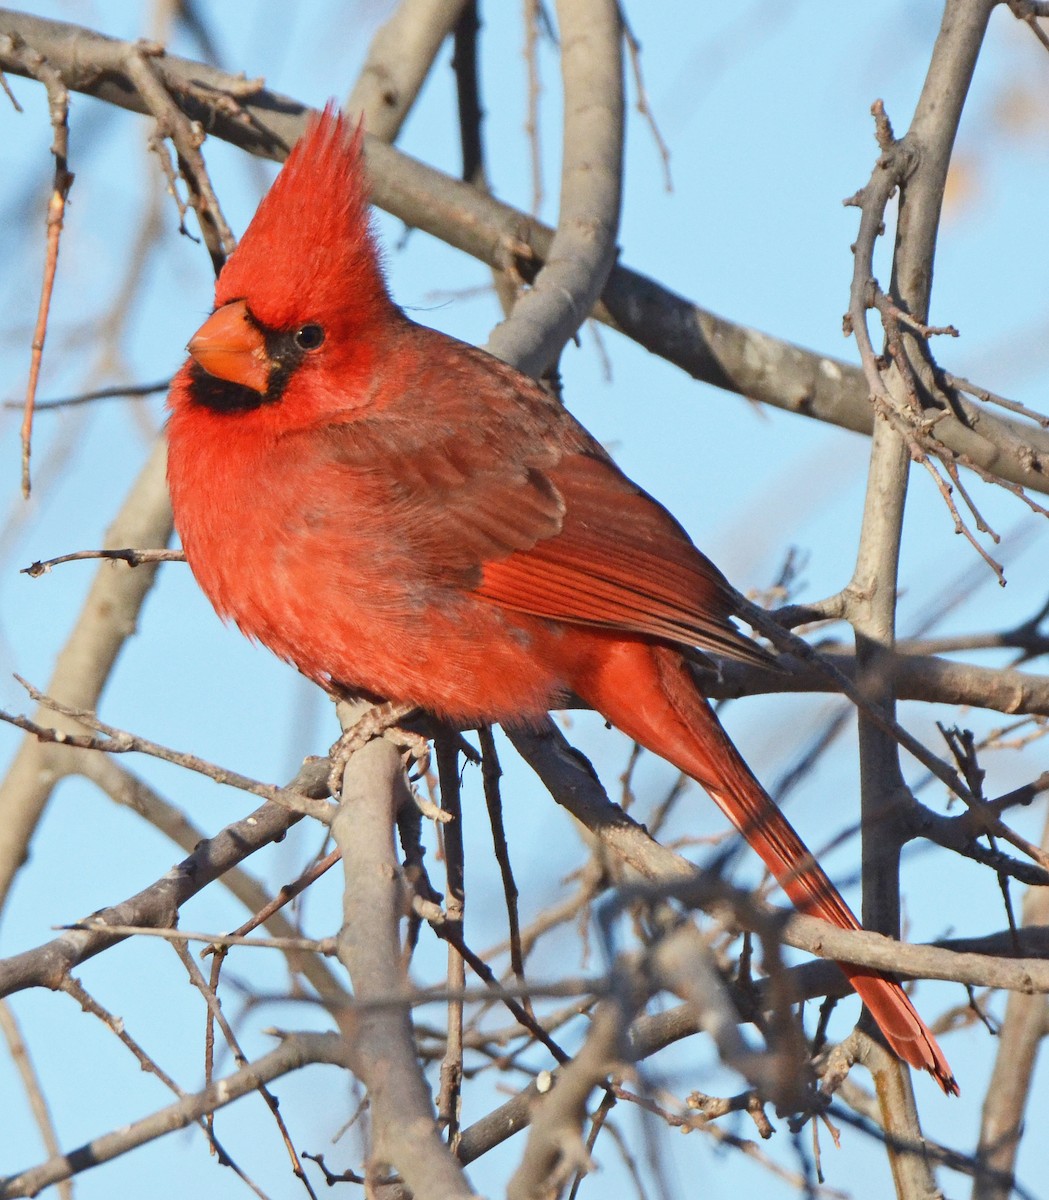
(402, 515)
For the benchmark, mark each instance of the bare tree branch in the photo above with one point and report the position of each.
(1009, 1091)
(400, 57)
(158, 904)
(83, 666)
(706, 346)
(383, 1047)
(583, 249)
(296, 1051)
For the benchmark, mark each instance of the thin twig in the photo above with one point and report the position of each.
(119, 741)
(644, 107)
(187, 136)
(133, 558)
(989, 397)
(491, 772)
(287, 893)
(58, 104)
(118, 1027)
(215, 1013)
(117, 391)
(324, 946)
(19, 1054)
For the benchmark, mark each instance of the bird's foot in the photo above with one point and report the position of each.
(416, 749)
(381, 720)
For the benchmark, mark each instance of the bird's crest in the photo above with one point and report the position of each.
(310, 242)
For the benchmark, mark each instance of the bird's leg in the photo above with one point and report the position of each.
(381, 720)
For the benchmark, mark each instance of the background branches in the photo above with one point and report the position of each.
(501, 1024)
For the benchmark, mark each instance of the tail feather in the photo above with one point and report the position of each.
(648, 693)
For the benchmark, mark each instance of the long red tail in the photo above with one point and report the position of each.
(648, 693)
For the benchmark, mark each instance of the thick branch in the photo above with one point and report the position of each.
(919, 164)
(914, 677)
(383, 1051)
(400, 57)
(706, 346)
(583, 249)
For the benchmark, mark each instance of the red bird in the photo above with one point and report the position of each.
(400, 514)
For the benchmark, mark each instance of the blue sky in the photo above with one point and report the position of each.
(765, 107)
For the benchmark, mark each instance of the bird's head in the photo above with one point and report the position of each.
(301, 305)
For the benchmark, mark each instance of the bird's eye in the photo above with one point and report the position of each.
(309, 337)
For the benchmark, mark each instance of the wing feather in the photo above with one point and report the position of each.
(620, 561)
(502, 493)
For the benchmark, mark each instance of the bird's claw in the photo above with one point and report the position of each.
(381, 720)
(416, 749)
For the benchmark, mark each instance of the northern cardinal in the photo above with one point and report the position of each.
(401, 515)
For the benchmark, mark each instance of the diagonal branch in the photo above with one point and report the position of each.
(296, 1051)
(708, 347)
(400, 57)
(157, 906)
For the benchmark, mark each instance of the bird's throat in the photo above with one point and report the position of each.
(225, 396)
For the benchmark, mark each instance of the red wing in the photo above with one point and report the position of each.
(619, 561)
(502, 493)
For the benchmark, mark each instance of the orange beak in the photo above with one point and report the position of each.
(229, 345)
